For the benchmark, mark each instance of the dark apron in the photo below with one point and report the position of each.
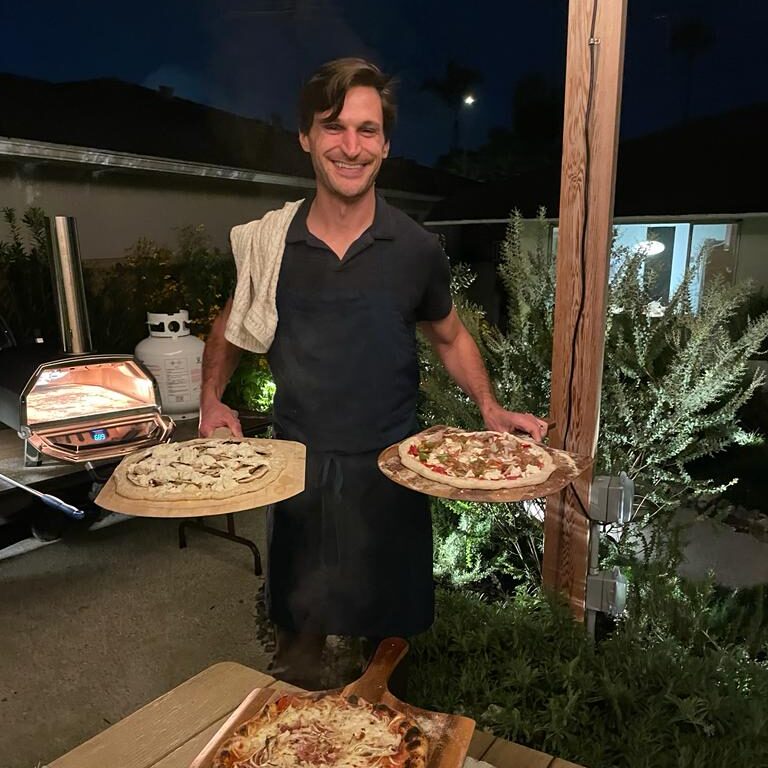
(352, 554)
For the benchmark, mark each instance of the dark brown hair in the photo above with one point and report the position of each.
(327, 89)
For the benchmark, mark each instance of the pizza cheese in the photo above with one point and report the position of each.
(481, 460)
(325, 730)
(194, 470)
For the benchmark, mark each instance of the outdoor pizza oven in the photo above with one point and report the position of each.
(66, 401)
(80, 407)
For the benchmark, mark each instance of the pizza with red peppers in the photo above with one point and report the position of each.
(325, 730)
(476, 460)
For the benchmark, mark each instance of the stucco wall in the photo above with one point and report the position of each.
(114, 208)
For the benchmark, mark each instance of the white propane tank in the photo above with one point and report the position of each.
(175, 358)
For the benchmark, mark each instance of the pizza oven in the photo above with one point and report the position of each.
(65, 401)
(80, 407)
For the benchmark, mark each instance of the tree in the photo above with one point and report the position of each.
(451, 88)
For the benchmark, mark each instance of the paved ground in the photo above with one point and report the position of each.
(98, 624)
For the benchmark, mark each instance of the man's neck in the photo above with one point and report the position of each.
(342, 219)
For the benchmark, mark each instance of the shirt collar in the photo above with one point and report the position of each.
(381, 229)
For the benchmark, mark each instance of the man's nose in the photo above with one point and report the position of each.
(350, 143)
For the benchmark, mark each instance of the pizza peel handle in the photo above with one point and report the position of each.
(372, 685)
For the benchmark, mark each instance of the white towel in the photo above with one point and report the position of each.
(258, 250)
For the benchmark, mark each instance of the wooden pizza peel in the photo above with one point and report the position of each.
(569, 466)
(449, 735)
(289, 482)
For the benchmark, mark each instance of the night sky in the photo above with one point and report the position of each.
(250, 56)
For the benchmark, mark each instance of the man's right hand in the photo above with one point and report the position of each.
(214, 414)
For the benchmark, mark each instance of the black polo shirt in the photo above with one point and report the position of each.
(344, 356)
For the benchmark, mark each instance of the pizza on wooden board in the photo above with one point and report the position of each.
(197, 470)
(476, 460)
(325, 730)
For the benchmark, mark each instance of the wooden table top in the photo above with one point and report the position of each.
(170, 731)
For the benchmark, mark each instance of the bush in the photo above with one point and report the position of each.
(193, 275)
(643, 697)
(673, 383)
(26, 292)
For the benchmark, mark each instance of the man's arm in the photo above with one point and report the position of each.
(220, 358)
(461, 357)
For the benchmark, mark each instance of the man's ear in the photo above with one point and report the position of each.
(304, 141)
(385, 151)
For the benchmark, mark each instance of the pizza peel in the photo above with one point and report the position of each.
(449, 735)
(568, 466)
(289, 483)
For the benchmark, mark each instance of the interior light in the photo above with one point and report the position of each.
(650, 247)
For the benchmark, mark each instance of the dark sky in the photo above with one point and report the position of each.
(250, 56)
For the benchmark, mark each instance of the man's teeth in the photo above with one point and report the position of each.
(347, 165)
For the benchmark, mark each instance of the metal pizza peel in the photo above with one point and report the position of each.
(289, 482)
(568, 466)
(449, 736)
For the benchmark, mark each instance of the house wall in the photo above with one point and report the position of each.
(752, 259)
(115, 208)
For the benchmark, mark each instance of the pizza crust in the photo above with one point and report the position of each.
(197, 470)
(343, 731)
(530, 473)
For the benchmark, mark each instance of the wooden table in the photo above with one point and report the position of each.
(170, 731)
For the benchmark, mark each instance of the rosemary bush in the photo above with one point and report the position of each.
(674, 380)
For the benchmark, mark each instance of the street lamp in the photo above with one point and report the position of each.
(469, 99)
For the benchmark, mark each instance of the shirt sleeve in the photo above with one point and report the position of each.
(436, 302)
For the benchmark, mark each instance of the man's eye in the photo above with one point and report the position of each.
(333, 127)
(369, 131)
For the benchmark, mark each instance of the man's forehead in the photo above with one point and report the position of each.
(363, 100)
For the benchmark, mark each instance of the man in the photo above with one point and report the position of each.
(349, 277)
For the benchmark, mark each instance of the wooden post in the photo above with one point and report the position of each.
(595, 59)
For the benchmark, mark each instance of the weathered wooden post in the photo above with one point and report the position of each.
(595, 59)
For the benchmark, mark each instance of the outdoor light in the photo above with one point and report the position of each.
(650, 247)
(469, 99)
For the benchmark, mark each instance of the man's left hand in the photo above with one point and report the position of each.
(499, 420)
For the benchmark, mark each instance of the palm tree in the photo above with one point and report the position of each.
(451, 88)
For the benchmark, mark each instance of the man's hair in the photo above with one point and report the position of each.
(327, 89)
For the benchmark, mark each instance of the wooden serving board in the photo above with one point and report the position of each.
(569, 467)
(289, 483)
(449, 735)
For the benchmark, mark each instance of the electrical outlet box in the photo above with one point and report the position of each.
(610, 498)
(607, 592)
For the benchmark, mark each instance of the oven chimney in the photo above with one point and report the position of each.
(68, 286)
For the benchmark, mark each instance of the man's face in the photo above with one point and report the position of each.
(347, 152)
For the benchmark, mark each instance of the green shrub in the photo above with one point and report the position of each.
(642, 697)
(192, 275)
(26, 291)
(673, 384)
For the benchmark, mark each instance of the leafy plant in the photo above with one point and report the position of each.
(26, 291)
(251, 385)
(642, 697)
(192, 275)
(673, 384)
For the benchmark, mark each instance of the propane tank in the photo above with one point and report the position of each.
(175, 358)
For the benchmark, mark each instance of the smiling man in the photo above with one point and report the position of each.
(332, 289)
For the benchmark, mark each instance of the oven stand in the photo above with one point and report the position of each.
(257, 426)
(229, 534)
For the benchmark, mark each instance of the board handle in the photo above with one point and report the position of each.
(222, 432)
(373, 683)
